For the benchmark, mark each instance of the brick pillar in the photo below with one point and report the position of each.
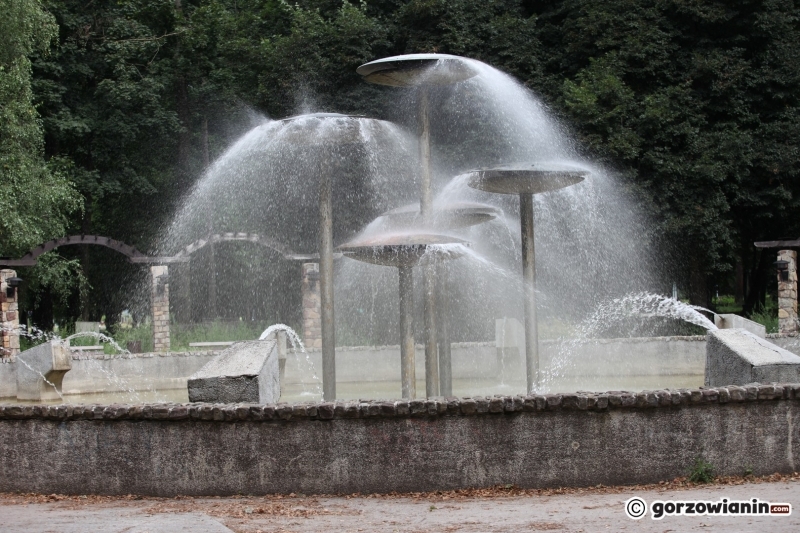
(787, 294)
(312, 308)
(9, 318)
(159, 297)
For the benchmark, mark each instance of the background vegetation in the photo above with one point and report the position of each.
(110, 109)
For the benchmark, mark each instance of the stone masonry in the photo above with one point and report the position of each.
(312, 307)
(159, 297)
(9, 317)
(787, 294)
(536, 441)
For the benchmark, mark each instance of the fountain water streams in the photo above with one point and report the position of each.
(591, 239)
(297, 344)
(614, 313)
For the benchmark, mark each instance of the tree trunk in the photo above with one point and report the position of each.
(757, 286)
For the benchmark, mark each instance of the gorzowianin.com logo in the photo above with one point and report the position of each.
(636, 508)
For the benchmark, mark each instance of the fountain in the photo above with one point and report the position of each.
(404, 251)
(314, 180)
(527, 181)
(423, 71)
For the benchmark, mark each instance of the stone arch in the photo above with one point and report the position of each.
(30, 259)
(226, 237)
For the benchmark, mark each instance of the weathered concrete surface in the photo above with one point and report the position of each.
(245, 372)
(108, 519)
(599, 364)
(142, 371)
(731, 321)
(537, 441)
(45, 363)
(590, 510)
(738, 357)
(654, 356)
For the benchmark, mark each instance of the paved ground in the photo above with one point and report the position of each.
(500, 509)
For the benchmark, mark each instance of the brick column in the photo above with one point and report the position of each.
(159, 298)
(312, 307)
(787, 294)
(9, 318)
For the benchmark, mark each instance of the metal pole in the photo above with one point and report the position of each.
(429, 269)
(326, 281)
(445, 365)
(529, 284)
(407, 371)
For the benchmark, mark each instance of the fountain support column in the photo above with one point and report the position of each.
(401, 250)
(529, 289)
(445, 360)
(429, 268)
(159, 298)
(326, 281)
(787, 292)
(408, 376)
(312, 310)
(527, 180)
(9, 316)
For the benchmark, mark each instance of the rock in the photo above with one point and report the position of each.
(245, 372)
(738, 357)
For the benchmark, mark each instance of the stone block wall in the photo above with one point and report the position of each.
(159, 298)
(312, 307)
(787, 294)
(537, 441)
(9, 317)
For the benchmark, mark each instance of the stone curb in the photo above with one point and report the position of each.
(421, 408)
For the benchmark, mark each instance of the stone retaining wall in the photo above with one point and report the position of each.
(418, 445)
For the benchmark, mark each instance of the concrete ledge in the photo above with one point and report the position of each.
(437, 444)
(41, 371)
(244, 372)
(737, 356)
(428, 408)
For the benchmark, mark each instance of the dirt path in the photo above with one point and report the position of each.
(503, 509)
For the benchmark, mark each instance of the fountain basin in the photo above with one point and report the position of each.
(400, 249)
(453, 215)
(417, 69)
(533, 179)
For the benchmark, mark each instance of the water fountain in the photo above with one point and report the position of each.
(319, 179)
(313, 180)
(404, 251)
(421, 71)
(527, 181)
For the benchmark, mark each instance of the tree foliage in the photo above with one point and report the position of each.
(35, 199)
(695, 104)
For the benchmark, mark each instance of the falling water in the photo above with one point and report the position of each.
(297, 344)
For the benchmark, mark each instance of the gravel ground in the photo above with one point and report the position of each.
(506, 509)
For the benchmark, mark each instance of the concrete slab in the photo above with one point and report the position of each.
(245, 372)
(561, 510)
(46, 518)
(731, 321)
(738, 357)
(40, 371)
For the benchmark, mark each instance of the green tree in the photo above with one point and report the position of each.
(35, 200)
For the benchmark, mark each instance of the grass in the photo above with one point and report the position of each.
(702, 471)
(183, 334)
(766, 315)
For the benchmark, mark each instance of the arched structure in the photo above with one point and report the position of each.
(225, 237)
(133, 255)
